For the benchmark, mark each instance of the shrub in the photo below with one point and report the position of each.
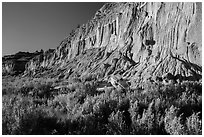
(19, 115)
(32, 106)
(194, 125)
(116, 125)
(173, 123)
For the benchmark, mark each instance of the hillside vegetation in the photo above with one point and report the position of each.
(135, 68)
(33, 106)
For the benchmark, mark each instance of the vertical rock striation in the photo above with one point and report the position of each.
(134, 40)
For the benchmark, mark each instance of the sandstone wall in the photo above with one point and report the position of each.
(148, 39)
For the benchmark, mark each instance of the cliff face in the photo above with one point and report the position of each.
(134, 40)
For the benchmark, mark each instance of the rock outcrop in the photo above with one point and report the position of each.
(137, 41)
(15, 64)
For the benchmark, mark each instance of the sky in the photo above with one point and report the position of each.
(28, 26)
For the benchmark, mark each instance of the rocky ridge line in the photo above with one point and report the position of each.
(138, 41)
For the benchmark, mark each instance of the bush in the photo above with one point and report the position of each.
(34, 107)
(19, 115)
(194, 125)
(173, 123)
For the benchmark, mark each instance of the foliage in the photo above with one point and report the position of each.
(33, 106)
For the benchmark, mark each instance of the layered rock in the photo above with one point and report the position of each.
(135, 40)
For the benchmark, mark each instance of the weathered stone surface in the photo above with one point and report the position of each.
(134, 40)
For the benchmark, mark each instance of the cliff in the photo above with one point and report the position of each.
(138, 41)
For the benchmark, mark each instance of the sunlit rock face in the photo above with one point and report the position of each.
(137, 41)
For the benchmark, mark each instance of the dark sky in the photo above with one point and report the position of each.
(28, 26)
